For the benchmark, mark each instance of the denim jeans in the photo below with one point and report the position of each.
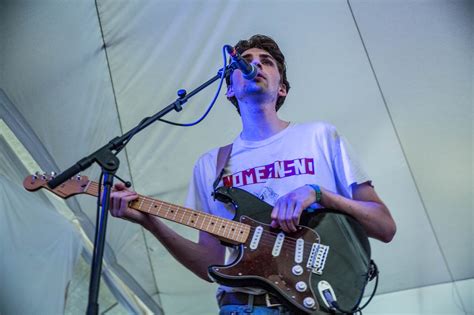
(254, 310)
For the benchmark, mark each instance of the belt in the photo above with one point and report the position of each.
(240, 298)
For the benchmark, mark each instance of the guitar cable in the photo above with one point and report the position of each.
(371, 274)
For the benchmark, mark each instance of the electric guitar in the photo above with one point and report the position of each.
(327, 259)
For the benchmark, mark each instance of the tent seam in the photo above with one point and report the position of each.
(104, 46)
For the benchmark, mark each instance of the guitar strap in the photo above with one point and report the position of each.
(223, 157)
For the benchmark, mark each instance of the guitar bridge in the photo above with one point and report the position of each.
(317, 258)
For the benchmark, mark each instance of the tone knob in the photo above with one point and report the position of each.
(297, 270)
(301, 286)
(309, 302)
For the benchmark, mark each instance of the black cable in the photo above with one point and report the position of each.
(375, 287)
(371, 274)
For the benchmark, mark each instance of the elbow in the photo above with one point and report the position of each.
(389, 232)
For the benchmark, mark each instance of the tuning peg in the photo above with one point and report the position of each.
(43, 176)
(53, 174)
(78, 177)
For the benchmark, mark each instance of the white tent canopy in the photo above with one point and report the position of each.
(395, 77)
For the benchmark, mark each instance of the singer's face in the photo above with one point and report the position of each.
(266, 86)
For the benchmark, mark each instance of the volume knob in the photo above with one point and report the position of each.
(301, 286)
(309, 302)
(297, 270)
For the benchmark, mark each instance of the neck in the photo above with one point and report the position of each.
(260, 121)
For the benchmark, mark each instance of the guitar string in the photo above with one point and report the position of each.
(268, 237)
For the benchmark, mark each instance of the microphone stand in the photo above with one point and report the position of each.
(108, 161)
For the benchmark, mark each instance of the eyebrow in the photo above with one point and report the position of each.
(263, 55)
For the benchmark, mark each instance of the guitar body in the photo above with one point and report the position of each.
(337, 239)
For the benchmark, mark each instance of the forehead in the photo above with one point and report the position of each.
(253, 52)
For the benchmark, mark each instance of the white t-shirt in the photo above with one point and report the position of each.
(310, 153)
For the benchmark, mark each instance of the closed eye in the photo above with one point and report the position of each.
(268, 61)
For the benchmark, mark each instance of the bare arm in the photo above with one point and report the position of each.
(197, 257)
(194, 256)
(365, 206)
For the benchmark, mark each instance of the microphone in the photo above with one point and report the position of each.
(249, 71)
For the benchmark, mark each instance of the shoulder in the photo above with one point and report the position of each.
(320, 129)
(207, 159)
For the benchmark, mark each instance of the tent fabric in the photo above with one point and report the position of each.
(14, 168)
(394, 77)
(39, 249)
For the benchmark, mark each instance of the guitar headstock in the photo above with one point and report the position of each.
(73, 186)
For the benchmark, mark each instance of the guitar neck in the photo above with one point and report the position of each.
(226, 230)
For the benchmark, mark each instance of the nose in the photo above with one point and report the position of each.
(257, 63)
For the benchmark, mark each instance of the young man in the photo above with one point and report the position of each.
(290, 166)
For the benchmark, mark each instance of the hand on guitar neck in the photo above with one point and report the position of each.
(120, 198)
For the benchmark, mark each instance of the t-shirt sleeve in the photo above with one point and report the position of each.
(348, 170)
(200, 186)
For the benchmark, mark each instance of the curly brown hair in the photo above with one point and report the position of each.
(269, 45)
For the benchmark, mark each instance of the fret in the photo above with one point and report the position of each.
(219, 227)
(209, 223)
(189, 219)
(234, 229)
(87, 186)
(214, 225)
(202, 222)
(226, 230)
(175, 213)
(165, 211)
(194, 218)
(159, 208)
(141, 203)
(222, 227)
(183, 214)
(151, 206)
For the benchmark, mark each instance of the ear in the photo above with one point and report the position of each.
(282, 90)
(230, 91)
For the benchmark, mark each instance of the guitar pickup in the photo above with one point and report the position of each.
(256, 238)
